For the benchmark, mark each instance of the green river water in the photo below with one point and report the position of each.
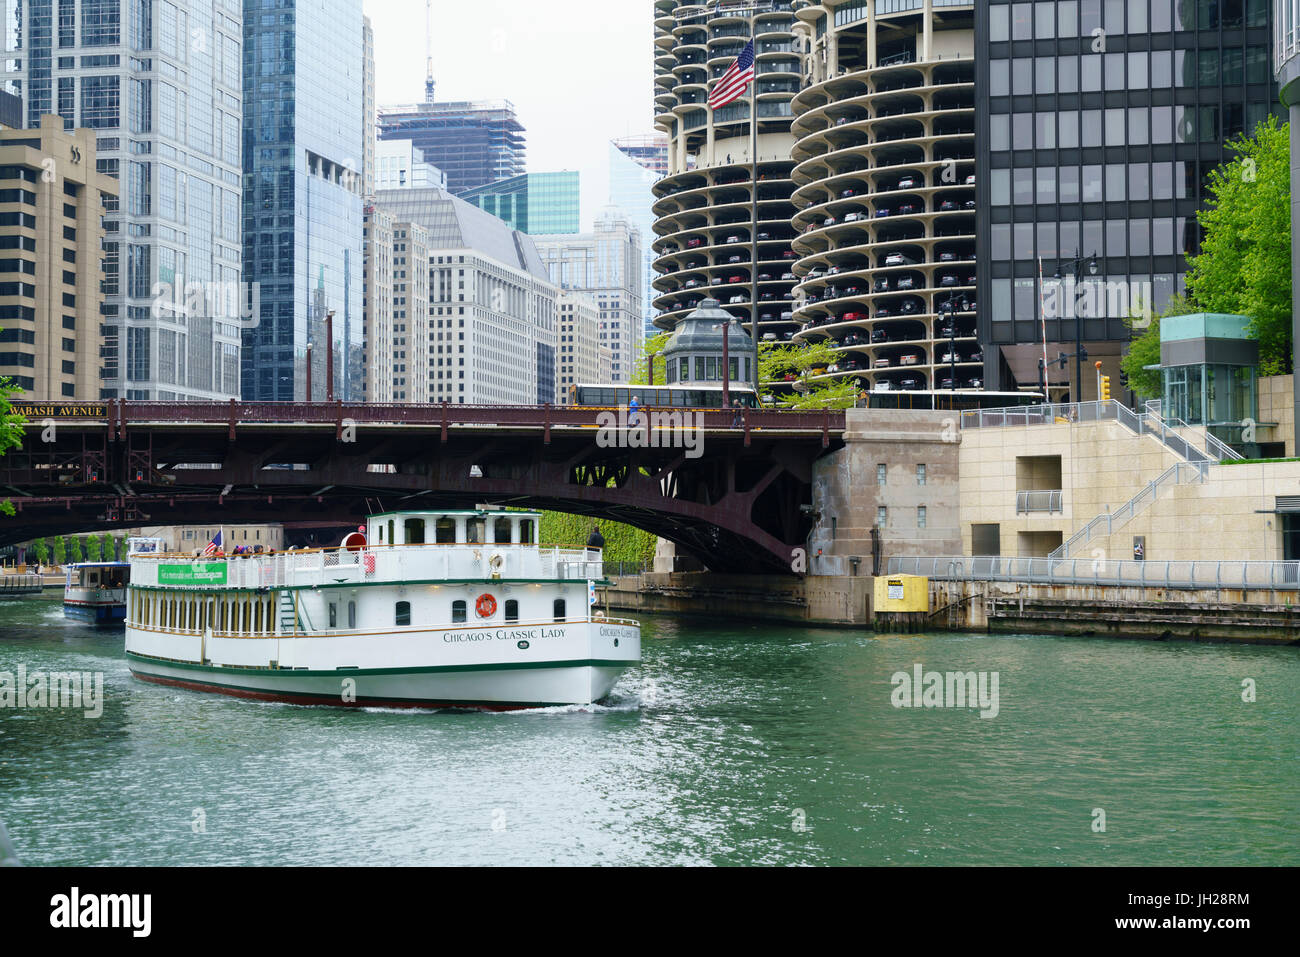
(731, 743)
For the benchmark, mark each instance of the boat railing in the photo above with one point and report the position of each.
(369, 565)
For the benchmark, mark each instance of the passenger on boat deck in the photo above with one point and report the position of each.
(634, 412)
(595, 539)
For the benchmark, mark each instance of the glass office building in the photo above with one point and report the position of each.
(1097, 125)
(534, 203)
(636, 163)
(303, 119)
(160, 85)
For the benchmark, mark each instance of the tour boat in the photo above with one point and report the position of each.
(96, 591)
(417, 609)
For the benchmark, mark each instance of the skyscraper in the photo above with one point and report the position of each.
(491, 308)
(703, 206)
(160, 84)
(534, 203)
(474, 143)
(51, 273)
(369, 108)
(606, 264)
(1098, 124)
(304, 148)
(885, 192)
(399, 165)
(636, 163)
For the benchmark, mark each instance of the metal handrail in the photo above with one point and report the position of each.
(1116, 520)
(1281, 576)
(1039, 500)
(1073, 413)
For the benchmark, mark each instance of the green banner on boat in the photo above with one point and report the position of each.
(199, 573)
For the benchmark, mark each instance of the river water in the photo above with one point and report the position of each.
(732, 743)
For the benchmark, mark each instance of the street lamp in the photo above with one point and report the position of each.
(1075, 266)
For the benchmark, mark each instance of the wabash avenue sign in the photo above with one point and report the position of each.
(33, 412)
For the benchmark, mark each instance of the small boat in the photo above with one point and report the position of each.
(96, 591)
(416, 609)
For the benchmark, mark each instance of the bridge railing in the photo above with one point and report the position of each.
(501, 416)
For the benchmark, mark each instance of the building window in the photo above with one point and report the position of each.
(920, 475)
(882, 472)
(920, 516)
(882, 516)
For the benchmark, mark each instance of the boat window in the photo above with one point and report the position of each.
(334, 615)
(458, 611)
(352, 614)
(403, 613)
(477, 529)
(445, 530)
(559, 610)
(526, 531)
(392, 540)
(512, 610)
(501, 531)
(257, 617)
(381, 534)
(415, 531)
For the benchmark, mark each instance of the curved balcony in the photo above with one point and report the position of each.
(885, 222)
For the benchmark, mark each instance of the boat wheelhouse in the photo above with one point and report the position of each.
(415, 609)
(96, 591)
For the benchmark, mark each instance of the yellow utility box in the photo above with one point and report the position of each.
(902, 593)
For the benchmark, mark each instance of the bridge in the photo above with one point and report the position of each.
(735, 498)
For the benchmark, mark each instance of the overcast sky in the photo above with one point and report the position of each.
(579, 72)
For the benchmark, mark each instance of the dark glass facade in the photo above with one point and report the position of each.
(1098, 122)
(303, 148)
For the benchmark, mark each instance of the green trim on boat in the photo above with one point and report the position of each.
(362, 672)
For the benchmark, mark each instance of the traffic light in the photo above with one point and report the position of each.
(1105, 387)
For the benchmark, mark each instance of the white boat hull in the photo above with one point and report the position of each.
(514, 666)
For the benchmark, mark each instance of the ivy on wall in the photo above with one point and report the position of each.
(623, 543)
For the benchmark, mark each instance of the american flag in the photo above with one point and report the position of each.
(738, 76)
(213, 546)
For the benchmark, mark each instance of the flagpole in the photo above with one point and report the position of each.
(753, 201)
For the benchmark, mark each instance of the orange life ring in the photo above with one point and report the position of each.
(486, 606)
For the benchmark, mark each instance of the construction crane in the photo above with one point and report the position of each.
(428, 49)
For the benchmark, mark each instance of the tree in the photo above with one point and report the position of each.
(1244, 266)
(108, 548)
(1144, 348)
(92, 546)
(41, 549)
(653, 347)
(804, 362)
(11, 430)
(74, 550)
(60, 550)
